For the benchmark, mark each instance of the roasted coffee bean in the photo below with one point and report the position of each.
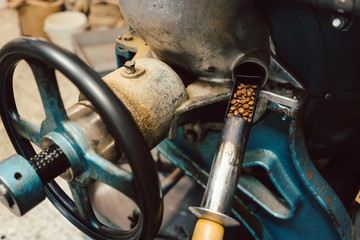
(243, 102)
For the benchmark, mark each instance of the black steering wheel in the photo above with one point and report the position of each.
(43, 58)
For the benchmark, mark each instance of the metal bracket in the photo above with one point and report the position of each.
(131, 47)
(283, 92)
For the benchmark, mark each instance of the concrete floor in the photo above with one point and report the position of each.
(44, 222)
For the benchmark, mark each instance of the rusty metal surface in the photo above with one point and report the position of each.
(151, 97)
(320, 190)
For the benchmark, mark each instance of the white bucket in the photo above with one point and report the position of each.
(62, 25)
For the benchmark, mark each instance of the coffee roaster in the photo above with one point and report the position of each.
(256, 101)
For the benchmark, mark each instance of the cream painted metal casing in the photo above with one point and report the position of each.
(204, 37)
(152, 94)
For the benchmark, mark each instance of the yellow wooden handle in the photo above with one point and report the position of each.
(208, 230)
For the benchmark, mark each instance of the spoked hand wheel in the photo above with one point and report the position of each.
(70, 148)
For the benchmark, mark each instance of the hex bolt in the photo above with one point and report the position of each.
(286, 90)
(5, 197)
(328, 96)
(127, 37)
(340, 22)
(130, 67)
(336, 23)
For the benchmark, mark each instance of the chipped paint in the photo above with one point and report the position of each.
(309, 175)
(333, 216)
(322, 193)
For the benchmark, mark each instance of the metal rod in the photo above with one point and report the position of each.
(171, 180)
(226, 167)
(225, 170)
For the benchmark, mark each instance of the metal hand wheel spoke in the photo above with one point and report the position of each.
(104, 171)
(49, 91)
(82, 202)
(26, 129)
(101, 170)
(43, 58)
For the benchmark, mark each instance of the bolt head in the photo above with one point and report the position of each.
(287, 90)
(337, 22)
(328, 96)
(130, 64)
(130, 67)
(128, 37)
